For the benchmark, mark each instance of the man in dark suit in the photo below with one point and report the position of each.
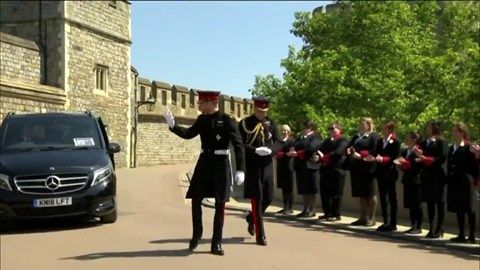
(261, 142)
(212, 177)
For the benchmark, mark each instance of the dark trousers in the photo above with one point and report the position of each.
(331, 192)
(416, 217)
(330, 203)
(461, 224)
(388, 195)
(255, 217)
(218, 220)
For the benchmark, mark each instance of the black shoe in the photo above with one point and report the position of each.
(459, 239)
(193, 244)
(261, 241)
(429, 234)
(282, 211)
(472, 240)
(338, 218)
(359, 222)
(302, 214)
(251, 228)
(324, 217)
(382, 228)
(391, 228)
(438, 234)
(288, 212)
(310, 214)
(216, 249)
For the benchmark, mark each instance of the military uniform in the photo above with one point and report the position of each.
(259, 172)
(212, 177)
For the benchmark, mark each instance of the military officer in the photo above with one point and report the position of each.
(261, 142)
(212, 177)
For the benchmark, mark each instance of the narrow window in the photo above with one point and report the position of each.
(164, 97)
(142, 93)
(184, 101)
(239, 110)
(101, 73)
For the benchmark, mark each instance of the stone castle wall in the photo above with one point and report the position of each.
(156, 144)
(20, 76)
(50, 53)
(57, 47)
(93, 40)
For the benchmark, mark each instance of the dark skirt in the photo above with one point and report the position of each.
(434, 186)
(412, 197)
(461, 197)
(285, 179)
(307, 181)
(434, 193)
(362, 183)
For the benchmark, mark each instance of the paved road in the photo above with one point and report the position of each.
(154, 228)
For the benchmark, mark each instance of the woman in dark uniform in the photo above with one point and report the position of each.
(285, 171)
(462, 169)
(307, 167)
(388, 149)
(432, 155)
(411, 182)
(332, 174)
(362, 170)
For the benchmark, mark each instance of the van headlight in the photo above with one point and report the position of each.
(4, 184)
(102, 175)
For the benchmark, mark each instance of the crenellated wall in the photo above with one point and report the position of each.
(155, 144)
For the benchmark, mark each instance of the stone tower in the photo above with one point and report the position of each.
(85, 50)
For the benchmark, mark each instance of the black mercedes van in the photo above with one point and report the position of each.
(56, 165)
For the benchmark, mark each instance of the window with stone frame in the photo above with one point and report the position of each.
(184, 102)
(101, 73)
(239, 110)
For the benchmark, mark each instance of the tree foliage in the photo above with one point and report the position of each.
(407, 62)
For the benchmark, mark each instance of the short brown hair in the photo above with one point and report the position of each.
(309, 124)
(436, 127)
(390, 125)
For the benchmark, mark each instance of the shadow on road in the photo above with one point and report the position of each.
(157, 253)
(134, 254)
(314, 225)
(232, 240)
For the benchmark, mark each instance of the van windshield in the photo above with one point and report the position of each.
(49, 133)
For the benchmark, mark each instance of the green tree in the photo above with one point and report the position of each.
(387, 60)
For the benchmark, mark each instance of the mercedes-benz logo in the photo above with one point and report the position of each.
(52, 182)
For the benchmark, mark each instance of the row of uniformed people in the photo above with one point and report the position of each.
(320, 167)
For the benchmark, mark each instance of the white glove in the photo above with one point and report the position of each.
(170, 119)
(239, 178)
(263, 151)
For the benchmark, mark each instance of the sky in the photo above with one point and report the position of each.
(213, 45)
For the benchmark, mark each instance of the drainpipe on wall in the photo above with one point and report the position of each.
(135, 123)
